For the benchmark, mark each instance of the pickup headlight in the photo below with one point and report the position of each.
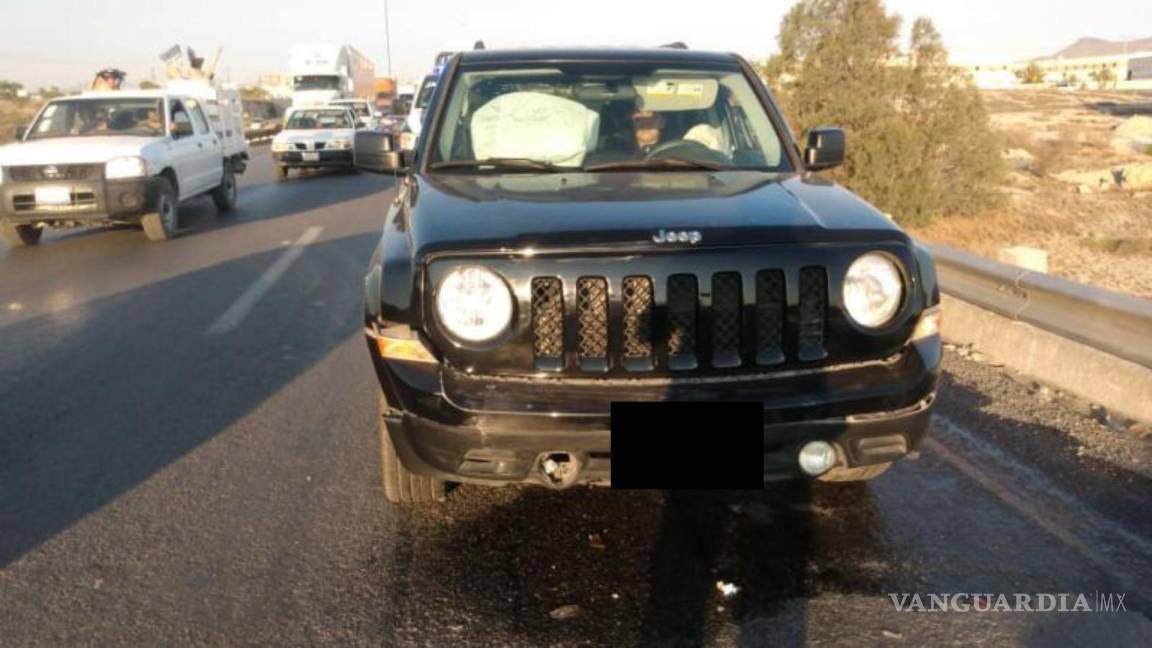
(125, 167)
(339, 144)
(873, 290)
(474, 304)
(280, 147)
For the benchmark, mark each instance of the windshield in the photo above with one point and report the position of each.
(426, 90)
(358, 107)
(96, 117)
(319, 119)
(317, 82)
(600, 116)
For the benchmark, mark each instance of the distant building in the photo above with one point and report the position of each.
(278, 86)
(1128, 70)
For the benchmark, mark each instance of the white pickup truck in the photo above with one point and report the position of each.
(120, 157)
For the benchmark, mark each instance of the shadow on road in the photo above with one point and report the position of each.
(642, 566)
(97, 398)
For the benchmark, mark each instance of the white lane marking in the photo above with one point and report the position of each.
(1077, 516)
(244, 304)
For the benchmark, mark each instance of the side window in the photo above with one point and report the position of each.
(198, 116)
(180, 114)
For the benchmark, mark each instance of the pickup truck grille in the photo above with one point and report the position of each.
(51, 172)
(731, 332)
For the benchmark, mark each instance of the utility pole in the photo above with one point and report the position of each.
(387, 39)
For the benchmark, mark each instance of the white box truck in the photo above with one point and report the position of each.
(322, 73)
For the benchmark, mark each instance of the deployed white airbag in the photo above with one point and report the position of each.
(534, 125)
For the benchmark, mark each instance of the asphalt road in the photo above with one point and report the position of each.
(188, 455)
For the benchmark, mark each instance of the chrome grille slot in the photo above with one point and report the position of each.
(769, 317)
(548, 323)
(682, 303)
(637, 297)
(727, 313)
(592, 323)
(813, 314)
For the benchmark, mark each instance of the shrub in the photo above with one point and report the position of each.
(919, 139)
(1030, 74)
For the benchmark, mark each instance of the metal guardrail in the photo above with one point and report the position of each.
(1117, 324)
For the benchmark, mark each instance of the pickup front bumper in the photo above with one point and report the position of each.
(90, 202)
(478, 430)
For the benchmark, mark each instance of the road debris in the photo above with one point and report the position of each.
(891, 635)
(565, 612)
(596, 541)
(727, 589)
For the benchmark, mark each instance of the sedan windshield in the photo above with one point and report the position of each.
(605, 117)
(319, 119)
(317, 82)
(99, 117)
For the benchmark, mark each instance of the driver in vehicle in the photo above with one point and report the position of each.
(647, 125)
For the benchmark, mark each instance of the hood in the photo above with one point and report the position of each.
(314, 135)
(624, 211)
(73, 150)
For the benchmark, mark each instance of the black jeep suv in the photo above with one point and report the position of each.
(578, 227)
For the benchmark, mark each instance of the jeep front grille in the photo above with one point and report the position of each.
(626, 325)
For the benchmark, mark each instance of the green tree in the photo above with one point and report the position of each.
(1103, 77)
(49, 93)
(920, 144)
(9, 89)
(1031, 74)
(149, 85)
(254, 92)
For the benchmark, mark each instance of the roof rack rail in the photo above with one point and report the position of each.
(675, 45)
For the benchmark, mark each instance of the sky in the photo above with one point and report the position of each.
(64, 42)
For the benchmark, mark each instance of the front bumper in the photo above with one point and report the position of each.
(91, 201)
(873, 412)
(295, 159)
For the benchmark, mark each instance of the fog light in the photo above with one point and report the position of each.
(817, 457)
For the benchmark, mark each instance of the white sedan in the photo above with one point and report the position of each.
(315, 137)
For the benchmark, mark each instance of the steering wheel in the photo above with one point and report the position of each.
(686, 150)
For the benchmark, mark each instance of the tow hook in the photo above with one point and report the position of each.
(559, 469)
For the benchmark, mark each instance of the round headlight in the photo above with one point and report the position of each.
(474, 304)
(873, 290)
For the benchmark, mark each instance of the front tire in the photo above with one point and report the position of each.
(161, 224)
(20, 235)
(402, 486)
(224, 195)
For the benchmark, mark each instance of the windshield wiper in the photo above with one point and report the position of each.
(503, 163)
(656, 163)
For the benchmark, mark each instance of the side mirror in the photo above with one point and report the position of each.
(825, 148)
(181, 129)
(19, 132)
(376, 152)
